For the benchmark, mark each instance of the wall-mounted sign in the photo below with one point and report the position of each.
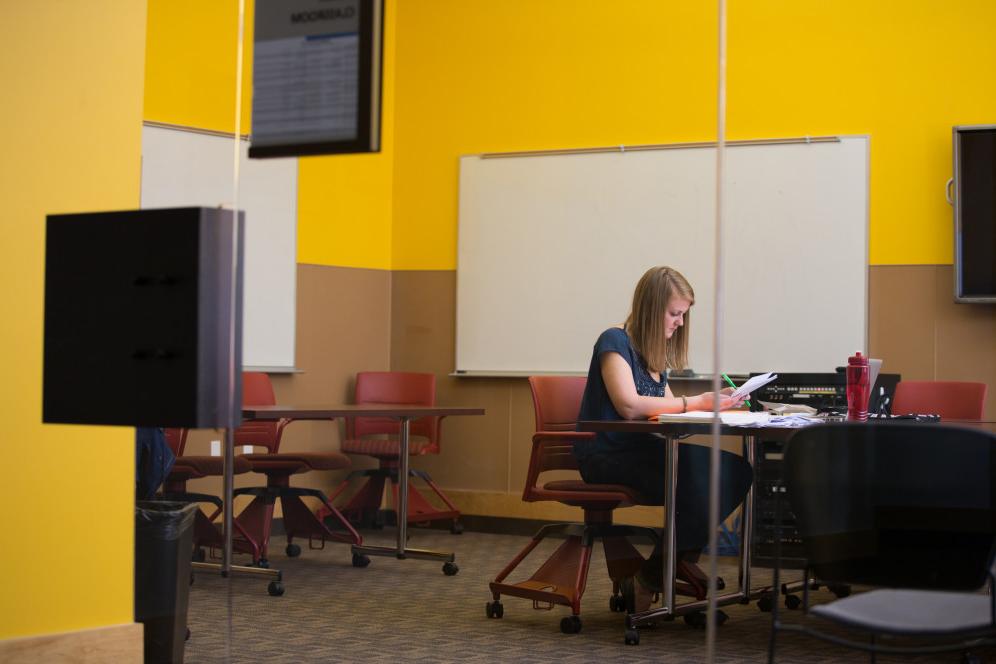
(316, 77)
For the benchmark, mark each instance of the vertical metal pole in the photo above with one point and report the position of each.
(403, 486)
(670, 530)
(228, 489)
(751, 444)
(234, 418)
(714, 457)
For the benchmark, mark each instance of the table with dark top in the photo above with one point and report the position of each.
(670, 433)
(404, 414)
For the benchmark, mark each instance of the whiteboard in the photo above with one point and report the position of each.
(551, 246)
(189, 168)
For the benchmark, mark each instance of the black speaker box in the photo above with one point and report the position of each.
(143, 318)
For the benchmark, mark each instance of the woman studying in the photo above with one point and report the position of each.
(627, 380)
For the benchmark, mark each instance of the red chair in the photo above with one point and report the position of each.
(393, 387)
(561, 578)
(186, 467)
(952, 400)
(299, 521)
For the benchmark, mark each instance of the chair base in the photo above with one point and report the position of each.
(369, 497)
(561, 579)
(299, 520)
(207, 533)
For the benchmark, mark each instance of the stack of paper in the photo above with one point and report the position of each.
(733, 418)
(754, 383)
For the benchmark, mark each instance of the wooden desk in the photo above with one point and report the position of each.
(405, 415)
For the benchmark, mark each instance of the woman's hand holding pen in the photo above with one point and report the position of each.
(726, 401)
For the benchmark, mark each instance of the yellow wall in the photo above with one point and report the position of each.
(469, 76)
(344, 201)
(477, 75)
(70, 126)
(190, 63)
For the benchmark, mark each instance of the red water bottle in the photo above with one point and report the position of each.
(857, 387)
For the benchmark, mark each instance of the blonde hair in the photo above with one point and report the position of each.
(645, 324)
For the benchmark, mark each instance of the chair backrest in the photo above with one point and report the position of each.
(556, 404)
(952, 400)
(895, 504)
(556, 401)
(176, 438)
(257, 390)
(394, 387)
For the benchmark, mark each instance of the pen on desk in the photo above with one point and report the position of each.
(734, 386)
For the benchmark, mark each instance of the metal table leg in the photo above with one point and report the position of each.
(669, 609)
(751, 444)
(226, 567)
(401, 551)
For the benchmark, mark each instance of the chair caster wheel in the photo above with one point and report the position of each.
(617, 604)
(187, 636)
(570, 625)
(450, 568)
(293, 551)
(765, 603)
(263, 563)
(792, 602)
(632, 637)
(360, 560)
(456, 528)
(276, 589)
(494, 609)
(198, 556)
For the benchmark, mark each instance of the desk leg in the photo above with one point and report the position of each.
(668, 544)
(228, 490)
(670, 534)
(401, 551)
(669, 609)
(751, 444)
(403, 486)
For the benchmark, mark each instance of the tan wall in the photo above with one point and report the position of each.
(918, 329)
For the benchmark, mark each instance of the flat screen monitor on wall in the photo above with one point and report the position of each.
(316, 77)
(975, 213)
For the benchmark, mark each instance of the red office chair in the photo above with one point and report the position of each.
(952, 400)
(299, 521)
(561, 579)
(206, 532)
(393, 387)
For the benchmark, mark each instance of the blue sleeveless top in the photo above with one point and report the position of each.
(596, 404)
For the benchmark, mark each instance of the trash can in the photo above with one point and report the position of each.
(163, 543)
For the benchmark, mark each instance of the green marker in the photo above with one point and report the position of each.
(733, 385)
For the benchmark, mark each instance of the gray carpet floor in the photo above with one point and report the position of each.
(409, 611)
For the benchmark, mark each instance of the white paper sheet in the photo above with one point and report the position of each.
(754, 383)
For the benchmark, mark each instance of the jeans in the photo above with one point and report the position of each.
(641, 467)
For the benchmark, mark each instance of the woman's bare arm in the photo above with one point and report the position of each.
(618, 378)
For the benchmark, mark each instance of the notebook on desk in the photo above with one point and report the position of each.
(733, 418)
